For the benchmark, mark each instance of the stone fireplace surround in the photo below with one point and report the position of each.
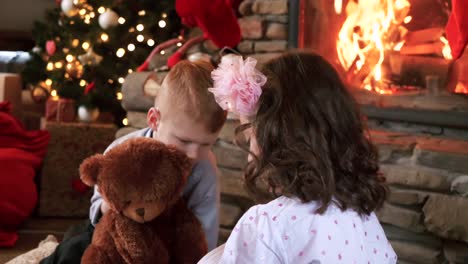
(422, 142)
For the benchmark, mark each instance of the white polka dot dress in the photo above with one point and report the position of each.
(288, 231)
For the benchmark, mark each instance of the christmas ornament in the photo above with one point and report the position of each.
(89, 88)
(37, 50)
(79, 186)
(199, 56)
(88, 114)
(50, 47)
(108, 19)
(68, 8)
(90, 58)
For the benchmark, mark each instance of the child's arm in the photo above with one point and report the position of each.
(202, 194)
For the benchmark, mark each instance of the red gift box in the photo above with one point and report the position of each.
(60, 109)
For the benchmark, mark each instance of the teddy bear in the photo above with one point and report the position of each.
(148, 222)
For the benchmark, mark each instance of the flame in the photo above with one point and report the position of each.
(461, 88)
(338, 6)
(407, 19)
(370, 29)
(446, 51)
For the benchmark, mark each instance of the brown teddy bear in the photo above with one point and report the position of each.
(148, 222)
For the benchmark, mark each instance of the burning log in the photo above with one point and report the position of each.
(422, 66)
(424, 36)
(433, 48)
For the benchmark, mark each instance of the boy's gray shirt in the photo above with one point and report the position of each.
(201, 193)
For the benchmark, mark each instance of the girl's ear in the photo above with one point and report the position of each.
(90, 169)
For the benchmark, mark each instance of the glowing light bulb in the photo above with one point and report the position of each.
(120, 53)
(82, 12)
(75, 2)
(163, 15)
(75, 43)
(104, 37)
(82, 83)
(50, 66)
(101, 10)
(130, 70)
(92, 14)
(179, 44)
(140, 27)
(69, 58)
(67, 75)
(121, 80)
(58, 65)
(69, 66)
(162, 23)
(125, 122)
(140, 38)
(110, 81)
(85, 45)
(48, 82)
(162, 52)
(119, 96)
(141, 12)
(131, 47)
(150, 42)
(121, 20)
(53, 93)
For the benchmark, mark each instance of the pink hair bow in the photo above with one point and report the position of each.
(237, 84)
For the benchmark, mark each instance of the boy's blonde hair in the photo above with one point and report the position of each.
(185, 89)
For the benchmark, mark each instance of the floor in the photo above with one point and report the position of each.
(34, 231)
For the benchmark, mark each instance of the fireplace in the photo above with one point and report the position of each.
(393, 56)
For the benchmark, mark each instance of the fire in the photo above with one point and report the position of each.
(461, 88)
(446, 51)
(338, 6)
(372, 28)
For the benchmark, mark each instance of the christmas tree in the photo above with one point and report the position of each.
(85, 48)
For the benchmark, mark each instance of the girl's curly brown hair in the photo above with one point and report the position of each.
(312, 141)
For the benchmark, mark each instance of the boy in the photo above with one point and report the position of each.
(188, 117)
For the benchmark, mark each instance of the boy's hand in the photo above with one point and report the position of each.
(104, 207)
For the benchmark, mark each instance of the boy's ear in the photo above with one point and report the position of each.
(153, 118)
(90, 168)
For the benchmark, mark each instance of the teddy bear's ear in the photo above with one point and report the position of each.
(90, 168)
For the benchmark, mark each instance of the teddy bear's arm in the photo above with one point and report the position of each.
(190, 244)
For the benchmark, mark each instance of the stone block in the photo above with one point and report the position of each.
(277, 18)
(229, 214)
(453, 161)
(124, 131)
(416, 253)
(245, 8)
(460, 185)
(270, 46)
(396, 233)
(229, 155)
(447, 216)
(406, 197)
(137, 119)
(251, 27)
(264, 57)
(418, 177)
(401, 217)
(245, 47)
(232, 183)
(277, 31)
(227, 132)
(456, 252)
(276, 7)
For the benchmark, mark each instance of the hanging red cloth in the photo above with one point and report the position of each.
(457, 27)
(21, 154)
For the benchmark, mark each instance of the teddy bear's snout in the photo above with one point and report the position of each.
(140, 212)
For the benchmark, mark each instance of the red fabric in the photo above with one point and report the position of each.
(457, 27)
(216, 18)
(174, 59)
(21, 154)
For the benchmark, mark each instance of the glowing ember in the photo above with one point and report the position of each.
(338, 6)
(446, 51)
(461, 88)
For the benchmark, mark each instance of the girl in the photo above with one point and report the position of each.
(309, 147)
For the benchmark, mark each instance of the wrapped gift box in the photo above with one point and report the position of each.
(60, 191)
(60, 109)
(10, 90)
